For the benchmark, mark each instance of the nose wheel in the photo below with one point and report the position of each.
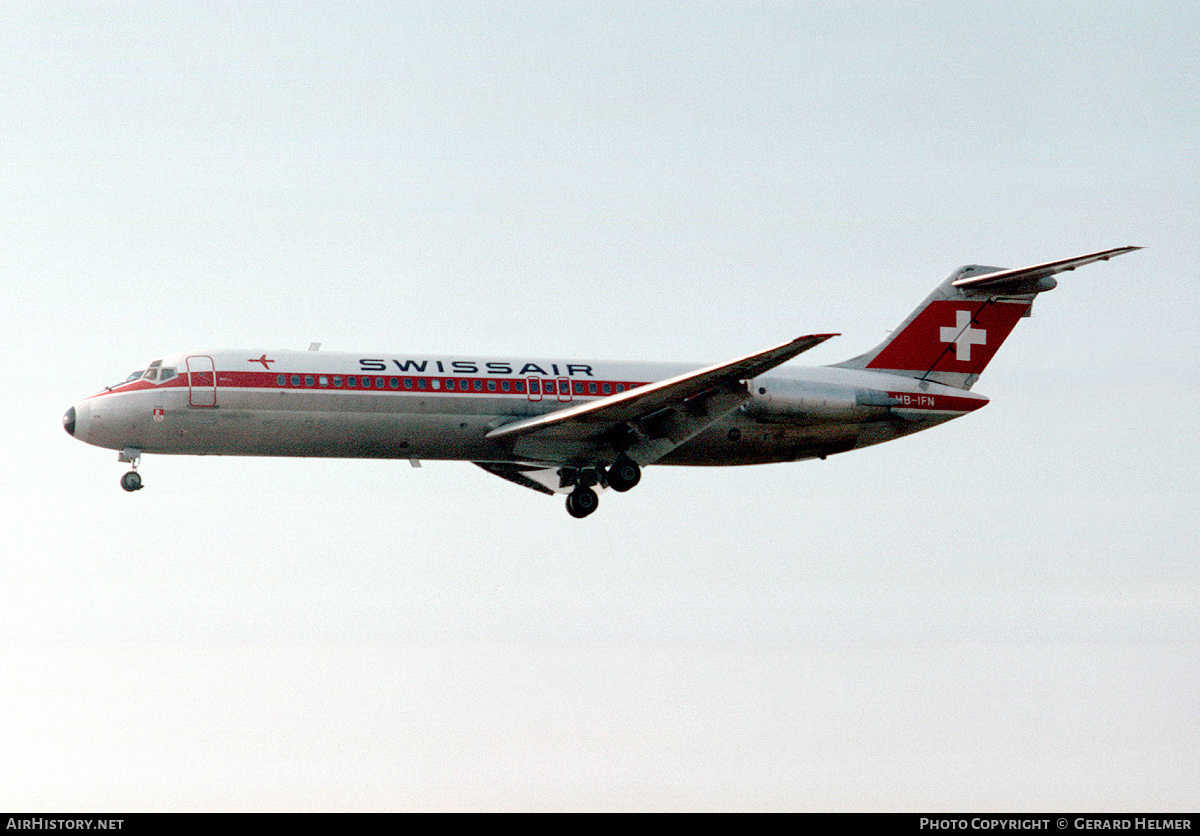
(131, 481)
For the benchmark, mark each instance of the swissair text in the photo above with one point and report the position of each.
(376, 364)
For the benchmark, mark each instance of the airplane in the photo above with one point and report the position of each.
(569, 426)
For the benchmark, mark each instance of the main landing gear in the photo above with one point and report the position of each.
(622, 475)
(581, 502)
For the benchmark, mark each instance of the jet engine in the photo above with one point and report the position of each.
(796, 400)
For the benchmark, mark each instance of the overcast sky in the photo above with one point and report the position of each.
(1002, 613)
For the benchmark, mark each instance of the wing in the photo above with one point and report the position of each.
(1039, 271)
(649, 421)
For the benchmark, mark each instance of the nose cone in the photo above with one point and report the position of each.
(69, 421)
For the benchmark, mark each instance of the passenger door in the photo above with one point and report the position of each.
(202, 382)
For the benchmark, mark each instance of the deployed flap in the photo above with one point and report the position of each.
(534, 478)
(645, 400)
(1038, 271)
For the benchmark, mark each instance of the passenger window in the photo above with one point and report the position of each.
(520, 386)
(352, 382)
(379, 383)
(280, 380)
(422, 383)
(491, 386)
(308, 380)
(337, 380)
(478, 387)
(408, 383)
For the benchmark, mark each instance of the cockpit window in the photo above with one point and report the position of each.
(134, 375)
(151, 374)
(166, 374)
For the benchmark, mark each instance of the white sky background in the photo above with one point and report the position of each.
(1001, 613)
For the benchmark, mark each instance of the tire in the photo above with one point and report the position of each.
(582, 502)
(624, 474)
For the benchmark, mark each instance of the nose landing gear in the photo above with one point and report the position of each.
(131, 481)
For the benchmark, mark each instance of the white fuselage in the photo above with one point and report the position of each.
(568, 426)
(287, 403)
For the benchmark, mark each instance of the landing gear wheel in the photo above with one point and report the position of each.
(581, 502)
(624, 474)
(131, 481)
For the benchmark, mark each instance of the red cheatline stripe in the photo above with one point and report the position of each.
(395, 384)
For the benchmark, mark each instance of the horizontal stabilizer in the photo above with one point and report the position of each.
(1037, 271)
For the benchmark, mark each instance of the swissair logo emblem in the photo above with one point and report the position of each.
(930, 343)
(266, 363)
(963, 336)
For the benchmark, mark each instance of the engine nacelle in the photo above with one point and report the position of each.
(796, 400)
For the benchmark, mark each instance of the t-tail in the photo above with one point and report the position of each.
(952, 336)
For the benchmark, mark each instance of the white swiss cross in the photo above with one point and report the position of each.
(963, 336)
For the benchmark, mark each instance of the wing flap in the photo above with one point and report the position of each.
(534, 478)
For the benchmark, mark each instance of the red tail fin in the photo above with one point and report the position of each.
(951, 336)
(955, 332)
